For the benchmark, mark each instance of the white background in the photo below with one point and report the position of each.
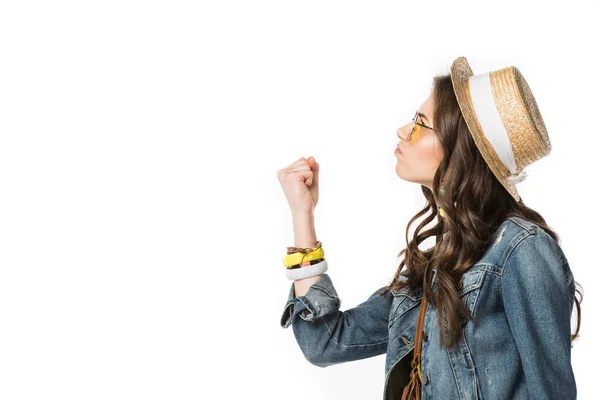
(142, 224)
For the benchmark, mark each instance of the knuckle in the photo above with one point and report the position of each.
(287, 176)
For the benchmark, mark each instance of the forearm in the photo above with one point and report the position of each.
(304, 236)
(327, 335)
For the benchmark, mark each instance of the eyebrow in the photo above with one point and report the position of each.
(420, 114)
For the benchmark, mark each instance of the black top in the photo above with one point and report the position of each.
(399, 377)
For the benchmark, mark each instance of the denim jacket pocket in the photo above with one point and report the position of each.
(470, 285)
(404, 300)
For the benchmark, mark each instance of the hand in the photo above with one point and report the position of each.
(300, 183)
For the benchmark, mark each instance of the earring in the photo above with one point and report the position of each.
(442, 190)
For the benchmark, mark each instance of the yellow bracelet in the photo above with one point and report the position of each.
(299, 258)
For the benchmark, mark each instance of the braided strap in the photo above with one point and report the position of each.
(412, 391)
(304, 250)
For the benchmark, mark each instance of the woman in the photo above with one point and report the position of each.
(486, 312)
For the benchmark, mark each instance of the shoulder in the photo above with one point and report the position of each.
(514, 238)
(507, 237)
(530, 238)
(536, 257)
(504, 240)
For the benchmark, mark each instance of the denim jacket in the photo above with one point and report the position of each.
(517, 346)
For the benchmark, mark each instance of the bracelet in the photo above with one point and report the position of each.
(307, 272)
(306, 264)
(299, 258)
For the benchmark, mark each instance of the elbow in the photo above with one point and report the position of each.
(315, 355)
(314, 351)
(316, 360)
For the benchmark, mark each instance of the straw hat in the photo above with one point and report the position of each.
(504, 120)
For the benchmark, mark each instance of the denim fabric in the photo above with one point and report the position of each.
(517, 346)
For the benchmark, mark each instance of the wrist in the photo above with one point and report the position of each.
(302, 216)
(304, 231)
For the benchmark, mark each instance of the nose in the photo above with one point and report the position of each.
(401, 135)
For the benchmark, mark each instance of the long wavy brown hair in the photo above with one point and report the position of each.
(475, 203)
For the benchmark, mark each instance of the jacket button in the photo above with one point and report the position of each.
(424, 379)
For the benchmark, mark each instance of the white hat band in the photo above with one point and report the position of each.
(491, 123)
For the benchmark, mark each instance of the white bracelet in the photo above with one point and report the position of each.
(306, 272)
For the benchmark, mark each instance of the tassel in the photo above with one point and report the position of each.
(412, 391)
(520, 177)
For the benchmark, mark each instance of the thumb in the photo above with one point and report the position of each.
(305, 176)
(314, 166)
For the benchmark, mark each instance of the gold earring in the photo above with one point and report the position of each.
(442, 190)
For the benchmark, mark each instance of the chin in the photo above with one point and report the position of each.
(407, 178)
(401, 175)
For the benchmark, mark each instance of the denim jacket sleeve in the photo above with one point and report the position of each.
(326, 335)
(538, 291)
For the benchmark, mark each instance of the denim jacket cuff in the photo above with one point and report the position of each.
(320, 300)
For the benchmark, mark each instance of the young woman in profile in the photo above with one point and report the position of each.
(486, 312)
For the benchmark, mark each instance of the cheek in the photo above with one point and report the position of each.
(426, 152)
